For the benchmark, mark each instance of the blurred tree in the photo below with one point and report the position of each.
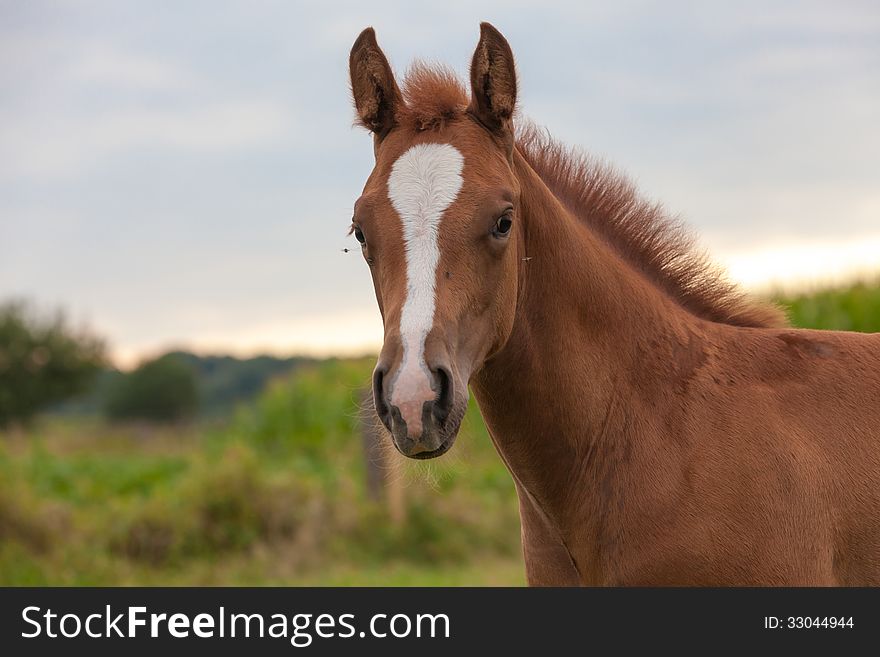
(42, 361)
(161, 390)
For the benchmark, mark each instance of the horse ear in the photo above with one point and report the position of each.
(493, 81)
(376, 95)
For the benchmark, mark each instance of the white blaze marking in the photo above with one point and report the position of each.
(424, 182)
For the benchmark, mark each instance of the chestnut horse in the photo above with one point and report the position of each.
(660, 428)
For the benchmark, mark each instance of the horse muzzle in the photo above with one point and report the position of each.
(422, 413)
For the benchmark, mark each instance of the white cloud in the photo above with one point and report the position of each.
(63, 62)
(76, 101)
(54, 145)
(106, 66)
(852, 18)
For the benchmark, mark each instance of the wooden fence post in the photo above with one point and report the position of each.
(383, 476)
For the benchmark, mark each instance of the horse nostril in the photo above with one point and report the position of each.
(379, 402)
(445, 394)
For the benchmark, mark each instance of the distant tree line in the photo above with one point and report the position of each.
(47, 364)
(180, 385)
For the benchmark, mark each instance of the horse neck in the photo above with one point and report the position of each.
(591, 334)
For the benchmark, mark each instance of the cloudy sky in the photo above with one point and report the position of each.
(183, 173)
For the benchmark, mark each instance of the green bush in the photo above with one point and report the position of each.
(853, 307)
(161, 390)
(308, 413)
(221, 505)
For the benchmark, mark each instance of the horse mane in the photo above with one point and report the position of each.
(643, 233)
(659, 245)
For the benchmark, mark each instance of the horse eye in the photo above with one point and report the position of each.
(502, 226)
(359, 235)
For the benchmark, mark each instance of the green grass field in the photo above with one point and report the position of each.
(277, 494)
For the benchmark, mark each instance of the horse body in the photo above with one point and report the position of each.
(659, 428)
(727, 482)
(695, 452)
